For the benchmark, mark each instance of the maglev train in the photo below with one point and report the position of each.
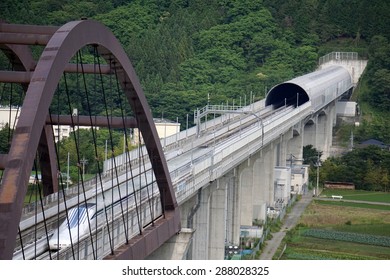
(88, 216)
(79, 221)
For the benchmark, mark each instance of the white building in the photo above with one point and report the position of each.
(8, 115)
(299, 178)
(346, 108)
(282, 186)
(164, 129)
(11, 115)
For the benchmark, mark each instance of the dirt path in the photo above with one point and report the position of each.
(289, 222)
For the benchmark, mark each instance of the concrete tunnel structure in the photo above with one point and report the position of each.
(319, 87)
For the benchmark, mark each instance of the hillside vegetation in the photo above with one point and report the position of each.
(185, 51)
(188, 52)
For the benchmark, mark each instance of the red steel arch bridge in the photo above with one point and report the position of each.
(79, 76)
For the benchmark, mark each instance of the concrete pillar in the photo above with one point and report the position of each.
(236, 213)
(277, 153)
(218, 217)
(283, 148)
(331, 122)
(309, 134)
(263, 178)
(260, 194)
(333, 114)
(188, 211)
(321, 137)
(215, 218)
(201, 222)
(175, 248)
(295, 146)
(246, 188)
(232, 210)
(256, 178)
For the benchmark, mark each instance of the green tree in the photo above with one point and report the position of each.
(380, 89)
(311, 155)
(367, 168)
(5, 136)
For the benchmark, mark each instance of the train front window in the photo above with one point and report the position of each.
(76, 216)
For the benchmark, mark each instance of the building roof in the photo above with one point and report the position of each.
(162, 120)
(374, 142)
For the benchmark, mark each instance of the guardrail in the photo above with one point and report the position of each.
(230, 153)
(338, 56)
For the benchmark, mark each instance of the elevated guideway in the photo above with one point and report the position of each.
(223, 167)
(221, 146)
(203, 154)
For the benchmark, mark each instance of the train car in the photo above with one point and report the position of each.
(81, 218)
(319, 87)
(98, 211)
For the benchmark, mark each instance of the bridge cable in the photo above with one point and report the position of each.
(74, 137)
(111, 138)
(57, 151)
(97, 62)
(112, 64)
(36, 210)
(93, 136)
(21, 243)
(105, 208)
(42, 208)
(140, 180)
(129, 166)
(147, 188)
(128, 161)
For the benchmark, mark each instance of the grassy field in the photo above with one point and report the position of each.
(358, 195)
(354, 204)
(352, 231)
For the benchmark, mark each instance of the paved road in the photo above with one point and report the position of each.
(289, 222)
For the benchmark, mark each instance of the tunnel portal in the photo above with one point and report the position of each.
(286, 94)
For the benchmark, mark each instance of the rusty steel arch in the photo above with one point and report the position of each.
(64, 43)
(21, 59)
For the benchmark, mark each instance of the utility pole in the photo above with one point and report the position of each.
(84, 162)
(318, 173)
(105, 152)
(187, 127)
(67, 173)
(351, 141)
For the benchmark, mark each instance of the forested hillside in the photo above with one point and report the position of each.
(184, 51)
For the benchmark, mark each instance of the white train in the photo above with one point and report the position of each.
(79, 222)
(84, 219)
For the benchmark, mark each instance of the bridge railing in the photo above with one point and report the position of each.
(338, 56)
(225, 156)
(177, 141)
(230, 155)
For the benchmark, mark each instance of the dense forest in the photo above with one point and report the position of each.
(186, 51)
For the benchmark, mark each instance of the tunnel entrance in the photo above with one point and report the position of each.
(286, 94)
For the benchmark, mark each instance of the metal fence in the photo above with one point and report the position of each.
(338, 56)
